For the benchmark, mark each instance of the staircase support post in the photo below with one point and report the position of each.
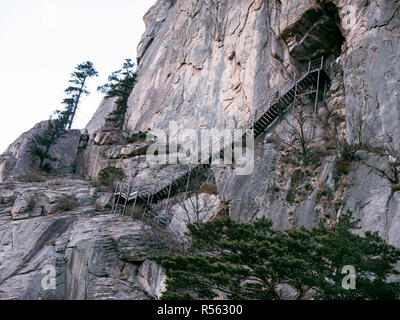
(126, 200)
(295, 97)
(187, 184)
(119, 198)
(169, 194)
(324, 95)
(315, 105)
(114, 195)
(134, 203)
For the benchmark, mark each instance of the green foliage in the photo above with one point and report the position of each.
(250, 260)
(40, 144)
(67, 203)
(75, 91)
(138, 137)
(372, 257)
(120, 84)
(108, 176)
(31, 203)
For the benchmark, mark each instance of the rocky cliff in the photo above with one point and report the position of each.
(212, 64)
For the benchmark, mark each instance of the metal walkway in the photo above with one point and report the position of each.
(309, 80)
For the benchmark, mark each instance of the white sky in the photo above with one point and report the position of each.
(42, 41)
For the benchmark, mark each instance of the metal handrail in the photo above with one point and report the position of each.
(221, 145)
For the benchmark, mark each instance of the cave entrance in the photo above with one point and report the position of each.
(316, 34)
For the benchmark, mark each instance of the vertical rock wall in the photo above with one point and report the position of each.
(202, 63)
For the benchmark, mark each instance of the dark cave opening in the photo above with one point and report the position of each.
(316, 34)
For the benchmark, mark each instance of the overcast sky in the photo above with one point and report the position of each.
(41, 42)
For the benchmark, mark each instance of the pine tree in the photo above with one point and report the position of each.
(120, 84)
(250, 261)
(74, 92)
(40, 144)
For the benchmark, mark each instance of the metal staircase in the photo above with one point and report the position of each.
(309, 80)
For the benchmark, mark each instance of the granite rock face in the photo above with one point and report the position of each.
(211, 64)
(99, 119)
(370, 68)
(95, 255)
(203, 63)
(16, 160)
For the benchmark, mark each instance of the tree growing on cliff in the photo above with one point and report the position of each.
(388, 169)
(40, 144)
(74, 92)
(297, 132)
(120, 84)
(360, 120)
(361, 137)
(199, 203)
(251, 260)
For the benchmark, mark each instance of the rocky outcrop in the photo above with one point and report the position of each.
(99, 119)
(370, 68)
(198, 207)
(95, 255)
(33, 199)
(232, 55)
(210, 64)
(17, 161)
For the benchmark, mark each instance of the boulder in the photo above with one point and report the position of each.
(152, 277)
(17, 161)
(109, 138)
(26, 206)
(104, 201)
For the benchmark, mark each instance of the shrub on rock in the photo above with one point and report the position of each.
(110, 175)
(67, 203)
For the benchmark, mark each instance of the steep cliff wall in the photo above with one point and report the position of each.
(208, 64)
(17, 161)
(212, 64)
(204, 62)
(90, 254)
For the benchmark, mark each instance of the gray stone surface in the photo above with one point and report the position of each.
(98, 120)
(16, 161)
(370, 64)
(231, 56)
(96, 255)
(208, 64)
(370, 200)
(152, 278)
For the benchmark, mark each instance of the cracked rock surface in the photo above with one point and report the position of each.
(95, 255)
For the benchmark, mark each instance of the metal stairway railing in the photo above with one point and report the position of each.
(264, 116)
